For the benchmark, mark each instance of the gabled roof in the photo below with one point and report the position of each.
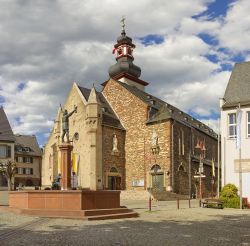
(6, 133)
(108, 116)
(238, 87)
(161, 111)
(28, 142)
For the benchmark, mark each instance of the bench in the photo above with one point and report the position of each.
(210, 202)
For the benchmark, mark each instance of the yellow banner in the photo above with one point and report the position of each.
(75, 161)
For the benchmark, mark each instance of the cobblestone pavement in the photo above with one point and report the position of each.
(165, 225)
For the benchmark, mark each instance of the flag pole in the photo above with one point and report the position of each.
(218, 161)
(239, 146)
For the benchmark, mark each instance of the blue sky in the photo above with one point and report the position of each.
(186, 51)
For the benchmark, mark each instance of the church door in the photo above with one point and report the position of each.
(114, 182)
(157, 181)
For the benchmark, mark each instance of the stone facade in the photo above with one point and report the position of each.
(133, 113)
(179, 177)
(114, 162)
(186, 160)
(128, 139)
(134, 165)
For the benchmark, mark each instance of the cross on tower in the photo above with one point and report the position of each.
(123, 23)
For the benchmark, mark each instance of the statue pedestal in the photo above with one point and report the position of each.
(66, 150)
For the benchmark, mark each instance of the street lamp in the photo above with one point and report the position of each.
(201, 146)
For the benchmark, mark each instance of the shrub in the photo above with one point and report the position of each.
(229, 196)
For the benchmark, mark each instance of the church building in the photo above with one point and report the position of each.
(126, 139)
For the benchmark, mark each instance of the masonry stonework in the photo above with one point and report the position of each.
(130, 140)
(133, 114)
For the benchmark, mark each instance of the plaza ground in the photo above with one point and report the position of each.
(165, 225)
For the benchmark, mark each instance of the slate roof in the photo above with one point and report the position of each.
(161, 111)
(6, 133)
(23, 142)
(238, 88)
(108, 116)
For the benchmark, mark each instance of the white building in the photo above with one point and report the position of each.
(237, 94)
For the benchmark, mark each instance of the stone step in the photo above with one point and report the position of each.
(114, 216)
(95, 214)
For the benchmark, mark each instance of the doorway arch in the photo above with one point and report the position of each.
(157, 177)
(114, 180)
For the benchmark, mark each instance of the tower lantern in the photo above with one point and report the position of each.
(124, 46)
(125, 70)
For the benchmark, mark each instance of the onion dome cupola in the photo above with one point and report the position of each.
(125, 70)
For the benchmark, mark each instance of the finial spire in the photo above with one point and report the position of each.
(123, 24)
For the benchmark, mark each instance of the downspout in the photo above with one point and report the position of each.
(172, 142)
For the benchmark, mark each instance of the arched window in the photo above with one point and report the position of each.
(181, 168)
(113, 170)
(155, 168)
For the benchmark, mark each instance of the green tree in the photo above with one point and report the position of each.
(8, 170)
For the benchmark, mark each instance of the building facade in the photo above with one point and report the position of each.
(28, 157)
(124, 138)
(7, 141)
(24, 150)
(237, 95)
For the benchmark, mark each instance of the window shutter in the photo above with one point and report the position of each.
(9, 151)
(24, 159)
(31, 171)
(31, 159)
(24, 171)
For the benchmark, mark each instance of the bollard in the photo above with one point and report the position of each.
(189, 203)
(149, 204)
(178, 203)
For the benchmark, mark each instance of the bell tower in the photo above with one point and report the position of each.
(125, 70)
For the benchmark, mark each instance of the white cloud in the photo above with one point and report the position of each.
(201, 97)
(49, 44)
(212, 124)
(235, 32)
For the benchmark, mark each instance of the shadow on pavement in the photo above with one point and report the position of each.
(224, 230)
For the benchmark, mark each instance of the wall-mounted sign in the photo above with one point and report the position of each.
(138, 183)
(245, 165)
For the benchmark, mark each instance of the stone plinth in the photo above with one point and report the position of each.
(66, 150)
(74, 204)
(64, 200)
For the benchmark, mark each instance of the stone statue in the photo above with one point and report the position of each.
(65, 123)
(154, 143)
(115, 142)
(154, 139)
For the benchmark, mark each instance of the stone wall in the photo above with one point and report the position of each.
(133, 113)
(113, 159)
(50, 156)
(87, 146)
(51, 159)
(186, 163)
